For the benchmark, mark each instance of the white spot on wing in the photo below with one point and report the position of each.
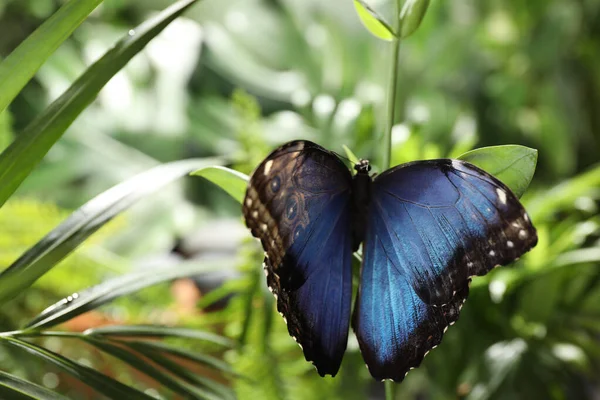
(268, 166)
(522, 234)
(254, 214)
(263, 227)
(526, 217)
(501, 195)
(249, 202)
(492, 253)
(510, 244)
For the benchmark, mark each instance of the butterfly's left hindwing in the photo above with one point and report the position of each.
(298, 204)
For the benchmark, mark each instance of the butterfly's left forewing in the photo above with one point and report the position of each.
(298, 204)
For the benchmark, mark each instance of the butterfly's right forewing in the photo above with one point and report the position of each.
(298, 204)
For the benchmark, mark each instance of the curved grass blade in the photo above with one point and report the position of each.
(411, 16)
(201, 359)
(20, 65)
(98, 295)
(231, 181)
(31, 145)
(158, 332)
(36, 261)
(374, 22)
(157, 373)
(221, 391)
(514, 165)
(12, 387)
(109, 387)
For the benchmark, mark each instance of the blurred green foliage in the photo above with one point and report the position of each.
(236, 78)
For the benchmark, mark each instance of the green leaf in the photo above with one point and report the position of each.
(512, 164)
(155, 331)
(31, 145)
(109, 387)
(20, 66)
(411, 16)
(98, 295)
(350, 154)
(231, 181)
(36, 261)
(12, 387)
(373, 21)
(151, 370)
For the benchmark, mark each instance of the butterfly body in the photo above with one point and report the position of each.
(426, 228)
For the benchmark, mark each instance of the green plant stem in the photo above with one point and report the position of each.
(391, 105)
(390, 390)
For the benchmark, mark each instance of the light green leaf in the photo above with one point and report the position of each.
(109, 387)
(411, 16)
(98, 295)
(512, 164)
(231, 181)
(61, 241)
(20, 66)
(373, 21)
(350, 154)
(12, 387)
(31, 145)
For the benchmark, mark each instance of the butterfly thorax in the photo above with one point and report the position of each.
(361, 197)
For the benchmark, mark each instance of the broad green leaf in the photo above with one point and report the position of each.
(512, 164)
(411, 16)
(31, 145)
(12, 387)
(231, 181)
(350, 154)
(88, 219)
(151, 370)
(154, 331)
(103, 384)
(372, 21)
(98, 295)
(20, 66)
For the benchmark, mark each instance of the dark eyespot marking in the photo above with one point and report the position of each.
(275, 184)
(291, 208)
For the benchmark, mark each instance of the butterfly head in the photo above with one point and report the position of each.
(362, 167)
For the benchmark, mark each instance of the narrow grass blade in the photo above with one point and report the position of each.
(98, 295)
(12, 387)
(31, 145)
(20, 66)
(82, 223)
(154, 331)
(231, 181)
(103, 384)
(157, 373)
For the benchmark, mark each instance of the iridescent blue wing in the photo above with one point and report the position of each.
(431, 225)
(298, 204)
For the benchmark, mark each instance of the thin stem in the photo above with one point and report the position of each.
(391, 105)
(390, 390)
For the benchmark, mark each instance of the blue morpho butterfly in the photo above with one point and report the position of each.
(426, 227)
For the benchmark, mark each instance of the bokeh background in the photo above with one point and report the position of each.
(235, 79)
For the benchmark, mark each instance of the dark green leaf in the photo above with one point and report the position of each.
(12, 387)
(411, 16)
(20, 66)
(103, 384)
(512, 164)
(233, 182)
(98, 295)
(157, 332)
(31, 145)
(82, 223)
